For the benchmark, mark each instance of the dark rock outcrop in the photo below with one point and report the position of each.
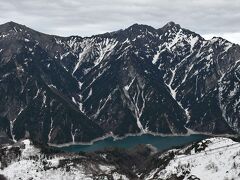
(72, 89)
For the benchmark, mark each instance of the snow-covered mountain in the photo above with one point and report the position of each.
(138, 80)
(209, 159)
(214, 158)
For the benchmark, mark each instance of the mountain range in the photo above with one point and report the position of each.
(138, 80)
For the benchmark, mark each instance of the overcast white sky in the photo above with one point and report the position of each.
(87, 17)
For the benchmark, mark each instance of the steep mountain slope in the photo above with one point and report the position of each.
(36, 93)
(137, 80)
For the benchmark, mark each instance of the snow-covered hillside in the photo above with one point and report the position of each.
(32, 164)
(210, 159)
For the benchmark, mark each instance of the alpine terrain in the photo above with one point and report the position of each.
(138, 80)
(209, 159)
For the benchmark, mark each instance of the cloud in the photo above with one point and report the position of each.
(87, 17)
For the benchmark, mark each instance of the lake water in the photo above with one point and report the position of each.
(160, 142)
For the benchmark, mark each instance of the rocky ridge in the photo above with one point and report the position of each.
(137, 80)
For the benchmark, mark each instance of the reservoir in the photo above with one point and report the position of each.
(160, 142)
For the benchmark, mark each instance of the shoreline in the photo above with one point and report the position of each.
(116, 138)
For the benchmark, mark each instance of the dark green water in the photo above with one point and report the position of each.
(160, 142)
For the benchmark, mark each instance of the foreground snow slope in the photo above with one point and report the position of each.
(210, 159)
(32, 164)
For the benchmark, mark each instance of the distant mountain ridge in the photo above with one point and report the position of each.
(138, 80)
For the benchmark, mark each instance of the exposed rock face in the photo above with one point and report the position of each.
(138, 80)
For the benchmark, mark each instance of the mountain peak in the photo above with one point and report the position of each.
(137, 26)
(221, 40)
(171, 25)
(11, 26)
(12, 23)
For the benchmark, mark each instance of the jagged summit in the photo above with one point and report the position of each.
(219, 39)
(136, 28)
(140, 26)
(170, 25)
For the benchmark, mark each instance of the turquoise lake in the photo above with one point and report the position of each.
(160, 142)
